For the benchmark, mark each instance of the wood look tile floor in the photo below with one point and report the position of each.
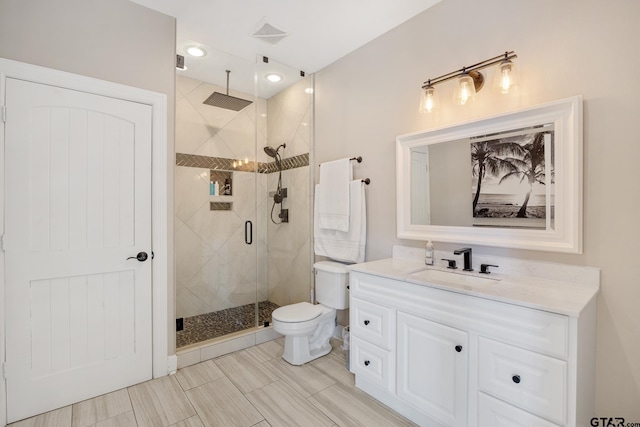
(251, 387)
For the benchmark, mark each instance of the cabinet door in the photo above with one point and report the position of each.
(432, 368)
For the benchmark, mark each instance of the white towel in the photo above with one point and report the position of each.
(340, 245)
(333, 200)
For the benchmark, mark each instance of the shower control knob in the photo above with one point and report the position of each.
(366, 322)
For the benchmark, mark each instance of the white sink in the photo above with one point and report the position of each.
(454, 278)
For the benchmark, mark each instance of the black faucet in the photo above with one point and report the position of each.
(467, 257)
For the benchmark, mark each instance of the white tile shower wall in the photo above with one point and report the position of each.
(289, 121)
(289, 243)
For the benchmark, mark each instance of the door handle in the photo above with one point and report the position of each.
(142, 256)
(248, 232)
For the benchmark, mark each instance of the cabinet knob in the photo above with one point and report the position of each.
(366, 363)
(366, 322)
(458, 348)
(516, 379)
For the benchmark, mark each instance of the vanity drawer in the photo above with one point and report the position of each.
(372, 363)
(496, 413)
(372, 322)
(531, 381)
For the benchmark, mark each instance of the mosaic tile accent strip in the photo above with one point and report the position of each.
(220, 206)
(219, 323)
(222, 164)
(288, 163)
(215, 163)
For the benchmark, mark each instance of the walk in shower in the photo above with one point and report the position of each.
(243, 252)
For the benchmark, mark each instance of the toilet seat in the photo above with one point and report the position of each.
(294, 313)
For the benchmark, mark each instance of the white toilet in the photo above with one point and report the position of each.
(307, 328)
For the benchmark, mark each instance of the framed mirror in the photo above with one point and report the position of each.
(512, 180)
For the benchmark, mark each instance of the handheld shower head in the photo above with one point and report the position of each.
(273, 152)
(270, 151)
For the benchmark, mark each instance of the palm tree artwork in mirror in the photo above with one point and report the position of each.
(512, 178)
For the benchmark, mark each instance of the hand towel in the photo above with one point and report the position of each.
(333, 200)
(340, 245)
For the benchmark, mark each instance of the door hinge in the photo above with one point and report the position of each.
(4, 370)
(4, 113)
(2, 242)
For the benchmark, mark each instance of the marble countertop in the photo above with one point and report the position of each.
(540, 293)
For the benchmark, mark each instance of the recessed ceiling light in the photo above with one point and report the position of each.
(273, 77)
(196, 51)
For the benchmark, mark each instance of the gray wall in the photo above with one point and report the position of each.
(565, 48)
(113, 40)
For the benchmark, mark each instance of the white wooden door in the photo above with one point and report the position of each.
(432, 368)
(77, 205)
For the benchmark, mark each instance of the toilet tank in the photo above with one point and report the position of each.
(332, 279)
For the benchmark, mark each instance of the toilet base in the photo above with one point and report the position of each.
(296, 350)
(299, 350)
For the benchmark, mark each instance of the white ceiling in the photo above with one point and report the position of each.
(319, 33)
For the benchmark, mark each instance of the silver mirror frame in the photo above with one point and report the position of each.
(566, 115)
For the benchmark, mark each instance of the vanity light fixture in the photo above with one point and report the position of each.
(470, 80)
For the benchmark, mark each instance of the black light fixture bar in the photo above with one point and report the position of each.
(466, 70)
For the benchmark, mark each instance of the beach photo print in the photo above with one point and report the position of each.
(512, 178)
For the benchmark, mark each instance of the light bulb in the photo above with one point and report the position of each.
(466, 91)
(505, 80)
(246, 160)
(235, 164)
(428, 100)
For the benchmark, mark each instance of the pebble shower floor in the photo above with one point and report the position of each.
(219, 323)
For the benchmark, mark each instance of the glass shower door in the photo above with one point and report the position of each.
(215, 198)
(241, 255)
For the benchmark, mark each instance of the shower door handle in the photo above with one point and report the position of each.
(248, 232)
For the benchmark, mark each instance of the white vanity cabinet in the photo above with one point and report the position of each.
(445, 358)
(431, 368)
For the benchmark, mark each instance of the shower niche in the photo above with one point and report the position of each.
(220, 200)
(235, 264)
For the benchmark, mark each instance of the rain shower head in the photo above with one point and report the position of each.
(217, 99)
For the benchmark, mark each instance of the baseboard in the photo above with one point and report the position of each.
(337, 332)
(172, 364)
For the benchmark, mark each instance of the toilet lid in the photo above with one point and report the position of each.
(300, 312)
